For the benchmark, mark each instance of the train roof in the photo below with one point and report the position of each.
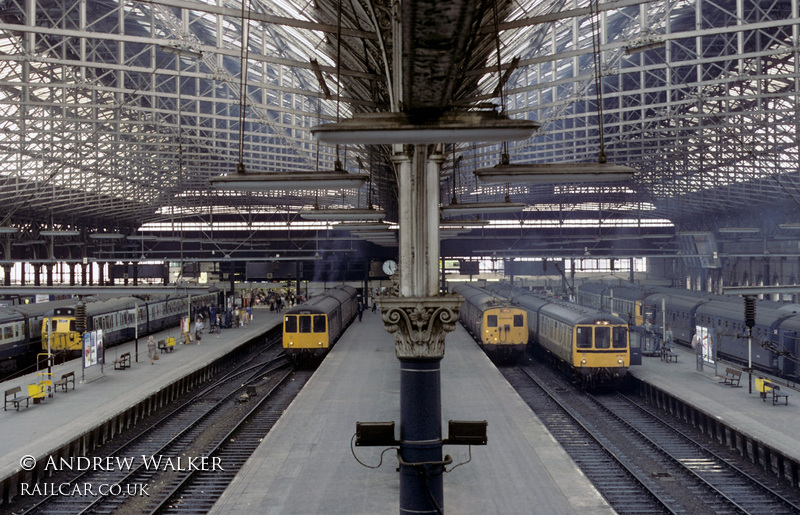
(9, 314)
(479, 297)
(325, 302)
(562, 310)
(592, 287)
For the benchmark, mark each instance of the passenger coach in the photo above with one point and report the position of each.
(311, 329)
(500, 328)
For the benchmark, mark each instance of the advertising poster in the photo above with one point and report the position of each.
(93, 351)
(704, 339)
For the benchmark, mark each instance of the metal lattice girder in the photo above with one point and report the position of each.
(103, 126)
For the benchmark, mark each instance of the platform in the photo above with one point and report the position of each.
(746, 413)
(305, 466)
(103, 397)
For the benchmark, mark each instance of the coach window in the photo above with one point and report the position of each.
(305, 323)
(583, 337)
(319, 323)
(518, 321)
(290, 324)
(602, 337)
(491, 320)
(620, 338)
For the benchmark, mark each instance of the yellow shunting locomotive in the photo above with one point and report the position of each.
(311, 329)
(500, 328)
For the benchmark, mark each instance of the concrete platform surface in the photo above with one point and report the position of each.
(746, 412)
(305, 465)
(42, 428)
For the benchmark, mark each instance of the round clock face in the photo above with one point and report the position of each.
(389, 267)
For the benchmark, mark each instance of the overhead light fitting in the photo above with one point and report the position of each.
(726, 230)
(342, 214)
(364, 226)
(471, 224)
(697, 233)
(472, 208)
(555, 173)
(389, 128)
(106, 236)
(59, 233)
(9, 230)
(288, 181)
(181, 52)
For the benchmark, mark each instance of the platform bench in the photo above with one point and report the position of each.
(65, 380)
(668, 356)
(123, 362)
(731, 377)
(775, 390)
(11, 398)
(163, 346)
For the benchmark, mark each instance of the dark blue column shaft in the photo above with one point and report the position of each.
(421, 489)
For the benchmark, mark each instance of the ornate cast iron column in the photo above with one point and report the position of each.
(419, 318)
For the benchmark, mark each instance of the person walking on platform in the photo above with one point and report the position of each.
(374, 305)
(151, 349)
(360, 311)
(668, 338)
(198, 328)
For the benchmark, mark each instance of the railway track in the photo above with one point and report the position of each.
(639, 462)
(204, 441)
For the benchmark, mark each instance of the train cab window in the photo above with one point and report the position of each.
(290, 323)
(8, 333)
(620, 338)
(602, 337)
(305, 323)
(583, 337)
(518, 321)
(491, 320)
(72, 327)
(53, 325)
(319, 323)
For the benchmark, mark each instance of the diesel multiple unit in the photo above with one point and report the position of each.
(498, 326)
(310, 329)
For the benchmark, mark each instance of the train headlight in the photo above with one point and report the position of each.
(583, 361)
(620, 361)
(291, 343)
(319, 343)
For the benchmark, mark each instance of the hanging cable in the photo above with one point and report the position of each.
(598, 84)
(504, 157)
(338, 165)
(244, 57)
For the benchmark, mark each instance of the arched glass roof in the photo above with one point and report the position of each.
(116, 114)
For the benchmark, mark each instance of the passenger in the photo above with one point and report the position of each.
(198, 328)
(219, 325)
(151, 349)
(650, 335)
(360, 311)
(668, 338)
(374, 305)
